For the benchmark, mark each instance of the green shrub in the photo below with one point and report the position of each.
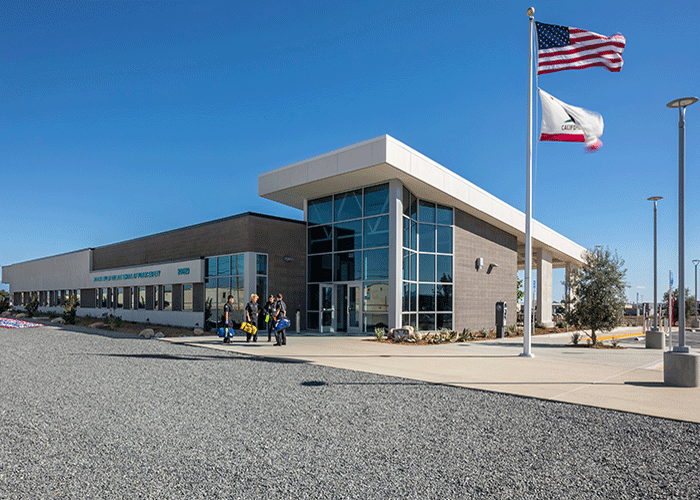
(379, 332)
(69, 311)
(32, 307)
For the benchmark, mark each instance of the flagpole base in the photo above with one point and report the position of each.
(526, 355)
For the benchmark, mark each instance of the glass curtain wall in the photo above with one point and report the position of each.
(348, 241)
(225, 276)
(428, 230)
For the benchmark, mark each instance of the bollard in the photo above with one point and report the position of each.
(298, 321)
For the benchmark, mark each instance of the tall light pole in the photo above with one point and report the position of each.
(681, 104)
(695, 323)
(656, 323)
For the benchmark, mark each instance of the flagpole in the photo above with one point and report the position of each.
(527, 319)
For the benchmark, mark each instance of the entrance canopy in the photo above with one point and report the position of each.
(383, 158)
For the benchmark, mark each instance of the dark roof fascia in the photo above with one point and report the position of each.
(201, 224)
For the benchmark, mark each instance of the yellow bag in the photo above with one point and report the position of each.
(248, 328)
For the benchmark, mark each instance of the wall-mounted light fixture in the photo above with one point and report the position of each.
(479, 263)
(491, 266)
(287, 258)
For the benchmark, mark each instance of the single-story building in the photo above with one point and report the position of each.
(388, 238)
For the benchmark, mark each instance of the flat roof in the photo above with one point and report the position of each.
(384, 158)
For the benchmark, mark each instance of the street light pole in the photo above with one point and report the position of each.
(656, 324)
(681, 104)
(695, 323)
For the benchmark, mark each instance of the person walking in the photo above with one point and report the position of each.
(269, 309)
(280, 312)
(251, 314)
(228, 319)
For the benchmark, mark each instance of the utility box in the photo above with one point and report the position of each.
(501, 319)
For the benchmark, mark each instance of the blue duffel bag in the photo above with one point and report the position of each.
(226, 332)
(281, 324)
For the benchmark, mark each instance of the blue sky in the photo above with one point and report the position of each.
(123, 119)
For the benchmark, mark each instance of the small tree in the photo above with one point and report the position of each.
(4, 300)
(521, 294)
(600, 292)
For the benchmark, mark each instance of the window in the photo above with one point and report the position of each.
(348, 266)
(428, 273)
(377, 200)
(348, 205)
(348, 236)
(187, 297)
(167, 297)
(376, 232)
(141, 297)
(261, 265)
(337, 233)
(120, 298)
(225, 277)
(261, 277)
(320, 211)
(320, 239)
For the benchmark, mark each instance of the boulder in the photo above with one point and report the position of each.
(400, 334)
(198, 331)
(97, 324)
(59, 320)
(159, 335)
(21, 315)
(147, 333)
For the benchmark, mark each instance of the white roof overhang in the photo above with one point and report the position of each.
(384, 158)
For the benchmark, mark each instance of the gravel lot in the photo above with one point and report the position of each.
(92, 415)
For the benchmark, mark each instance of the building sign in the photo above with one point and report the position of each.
(129, 276)
(183, 270)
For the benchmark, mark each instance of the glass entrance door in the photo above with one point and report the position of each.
(327, 316)
(354, 307)
(347, 307)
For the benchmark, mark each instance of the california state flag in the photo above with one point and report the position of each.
(563, 122)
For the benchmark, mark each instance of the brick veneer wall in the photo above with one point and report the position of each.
(477, 292)
(248, 232)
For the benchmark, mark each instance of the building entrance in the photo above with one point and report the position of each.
(341, 309)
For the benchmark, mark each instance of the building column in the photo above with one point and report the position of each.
(543, 260)
(569, 286)
(395, 252)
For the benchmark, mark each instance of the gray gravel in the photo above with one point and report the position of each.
(87, 415)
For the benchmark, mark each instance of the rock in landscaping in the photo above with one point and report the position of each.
(147, 333)
(97, 324)
(21, 315)
(198, 331)
(59, 320)
(159, 335)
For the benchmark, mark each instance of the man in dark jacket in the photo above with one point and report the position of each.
(228, 319)
(269, 311)
(280, 312)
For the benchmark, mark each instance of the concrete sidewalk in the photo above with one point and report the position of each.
(629, 379)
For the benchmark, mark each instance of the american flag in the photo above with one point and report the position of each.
(563, 48)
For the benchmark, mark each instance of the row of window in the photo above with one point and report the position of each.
(355, 204)
(354, 235)
(425, 211)
(156, 297)
(349, 266)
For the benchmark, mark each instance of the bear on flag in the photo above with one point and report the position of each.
(563, 122)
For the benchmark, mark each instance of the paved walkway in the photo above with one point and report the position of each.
(629, 379)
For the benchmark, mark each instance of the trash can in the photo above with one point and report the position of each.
(501, 317)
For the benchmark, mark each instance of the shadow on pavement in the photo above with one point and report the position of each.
(646, 384)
